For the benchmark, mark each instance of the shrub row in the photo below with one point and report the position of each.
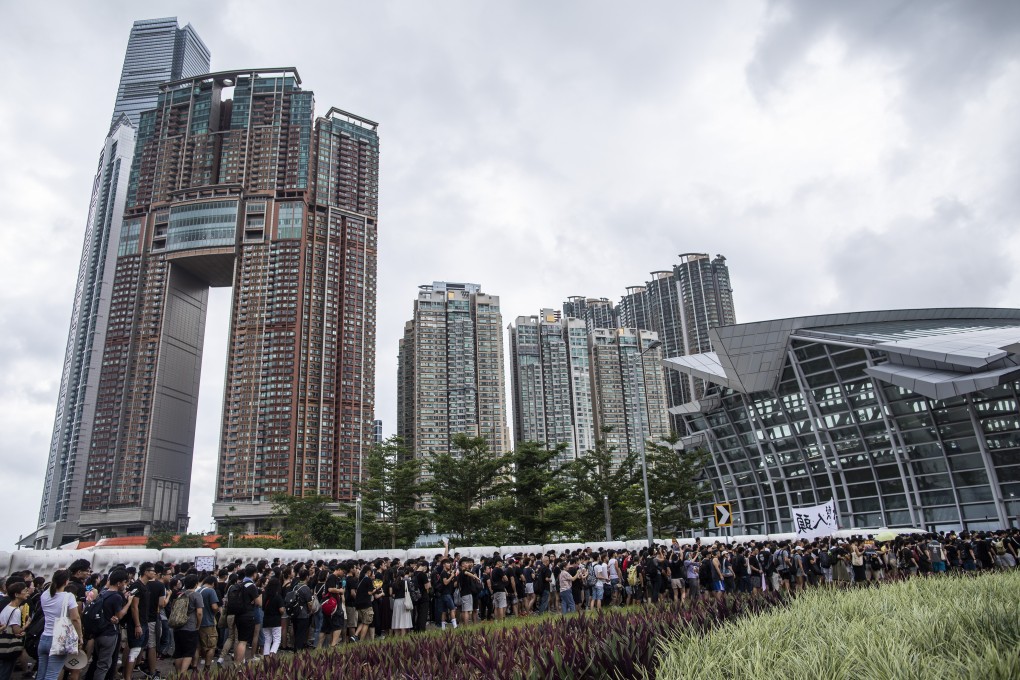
(614, 644)
(943, 627)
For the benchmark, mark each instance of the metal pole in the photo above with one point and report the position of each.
(644, 463)
(357, 524)
(609, 527)
(648, 502)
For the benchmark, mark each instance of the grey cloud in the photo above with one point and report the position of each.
(542, 150)
(944, 50)
(940, 260)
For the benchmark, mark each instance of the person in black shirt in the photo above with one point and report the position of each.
(469, 584)
(272, 609)
(334, 625)
(543, 574)
(498, 584)
(245, 623)
(421, 607)
(363, 596)
(115, 608)
(136, 625)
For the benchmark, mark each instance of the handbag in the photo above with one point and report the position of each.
(11, 645)
(65, 637)
(408, 602)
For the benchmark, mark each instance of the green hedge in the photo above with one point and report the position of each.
(940, 627)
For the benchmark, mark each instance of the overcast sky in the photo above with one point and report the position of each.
(842, 156)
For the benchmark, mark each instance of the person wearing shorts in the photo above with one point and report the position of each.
(186, 637)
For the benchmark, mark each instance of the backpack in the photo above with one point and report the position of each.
(589, 579)
(412, 587)
(876, 563)
(1000, 547)
(92, 616)
(34, 630)
(292, 604)
(237, 600)
(179, 612)
(632, 575)
(705, 570)
(781, 560)
(328, 605)
(823, 559)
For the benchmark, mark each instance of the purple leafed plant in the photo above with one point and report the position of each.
(615, 644)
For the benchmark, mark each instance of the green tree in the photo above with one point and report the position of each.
(588, 482)
(190, 541)
(159, 540)
(469, 490)
(391, 496)
(674, 485)
(307, 522)
(164, 538)
(535, 492)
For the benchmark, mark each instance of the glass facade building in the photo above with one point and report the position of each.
(906, 418)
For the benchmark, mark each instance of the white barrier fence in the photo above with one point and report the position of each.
(45, 562)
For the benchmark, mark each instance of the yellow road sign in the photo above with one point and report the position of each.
(723, 515)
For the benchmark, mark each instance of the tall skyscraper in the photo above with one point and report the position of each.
(595, 312)
(551, 382)
(628, 389)
(235, 183)
(450, 374)
(704, 287)
(157, 51)
(681, 305)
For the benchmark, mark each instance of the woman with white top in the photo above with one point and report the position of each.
(53, 602)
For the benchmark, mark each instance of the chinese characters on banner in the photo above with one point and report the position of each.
(815, 521)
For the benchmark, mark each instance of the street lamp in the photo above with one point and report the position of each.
(609, 528)
(655, 344)
(357, 524)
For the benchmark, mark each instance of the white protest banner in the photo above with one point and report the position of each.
(816, 521)
(205, 563)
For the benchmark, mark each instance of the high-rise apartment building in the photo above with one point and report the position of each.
(235, 183)
(628, 389)
(681, 305)
(450, 374)
(595, 312)
(157, 51)
(551, 382)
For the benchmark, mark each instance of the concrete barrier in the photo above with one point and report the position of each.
(288, 555)
(334, 554)
(104, 561)
(45, 562)
(369, 555)
(225, 556)
(181, 555)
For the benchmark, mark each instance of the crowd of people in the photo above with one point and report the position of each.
(128, 619)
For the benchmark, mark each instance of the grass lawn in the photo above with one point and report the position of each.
(940, 627)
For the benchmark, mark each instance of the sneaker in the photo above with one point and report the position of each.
(354, 638)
